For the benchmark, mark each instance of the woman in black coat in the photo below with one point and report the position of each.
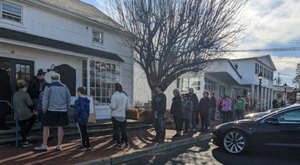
(177, 112)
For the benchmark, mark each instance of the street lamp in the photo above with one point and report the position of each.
(260, 77)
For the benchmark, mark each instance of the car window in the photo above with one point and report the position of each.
(290, 116)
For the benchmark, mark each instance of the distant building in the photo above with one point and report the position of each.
(238, 77)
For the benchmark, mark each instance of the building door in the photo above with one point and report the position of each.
(13, 70)
(20, 70)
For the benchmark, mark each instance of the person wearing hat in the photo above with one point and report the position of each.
(56, 103)
(5, 94)
(35, 86)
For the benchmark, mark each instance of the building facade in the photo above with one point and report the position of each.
(71, 37)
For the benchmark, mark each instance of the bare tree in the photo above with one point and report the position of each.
(296, 81)
(173, 37)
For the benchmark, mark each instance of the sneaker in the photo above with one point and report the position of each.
(127, 145)
(118, 147)
(58, 148)
(41, 148)
(26, 144)
(176, 135)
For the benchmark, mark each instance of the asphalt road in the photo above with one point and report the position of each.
(207, 153)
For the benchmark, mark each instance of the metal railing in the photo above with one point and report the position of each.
(17, 119)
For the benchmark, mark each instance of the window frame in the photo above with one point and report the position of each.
(100, 32)
(12, 4)
(102, 79)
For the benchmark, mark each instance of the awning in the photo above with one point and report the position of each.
(33, 39)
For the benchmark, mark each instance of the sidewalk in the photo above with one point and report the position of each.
(138, 139)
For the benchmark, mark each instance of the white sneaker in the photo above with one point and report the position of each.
(58, 148)
(41, 148)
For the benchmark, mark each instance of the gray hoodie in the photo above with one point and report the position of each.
(56, 97)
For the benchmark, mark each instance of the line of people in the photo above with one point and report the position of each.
(186, 109)
(51, 103)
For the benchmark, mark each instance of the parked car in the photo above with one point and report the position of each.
(279, 128)
(257, 115)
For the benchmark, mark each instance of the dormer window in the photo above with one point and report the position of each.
(11, 12)
(97, 37)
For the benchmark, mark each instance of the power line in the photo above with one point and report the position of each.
(265, 50)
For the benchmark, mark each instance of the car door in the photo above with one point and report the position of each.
(278, 129)
(289, 128)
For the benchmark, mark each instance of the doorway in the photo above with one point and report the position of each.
(13, 70)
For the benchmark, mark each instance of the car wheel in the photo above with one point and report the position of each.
(235, 142)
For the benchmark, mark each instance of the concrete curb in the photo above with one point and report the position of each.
(118, 159)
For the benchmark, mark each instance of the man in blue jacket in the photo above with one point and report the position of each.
(56, 103)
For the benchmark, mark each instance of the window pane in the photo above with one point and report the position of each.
(11, 12)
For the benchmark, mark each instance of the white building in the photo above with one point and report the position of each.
(223, 77)
(74, 38)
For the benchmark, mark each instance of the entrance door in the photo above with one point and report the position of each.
(20, 70)
(13, 70)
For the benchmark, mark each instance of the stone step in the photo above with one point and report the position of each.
(74, 134)
(70, 128)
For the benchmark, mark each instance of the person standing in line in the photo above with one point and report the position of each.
(81, 116)
(159, 104)
(39, 106)
(232, 112)
(193, 97)
(213, 106)
(204, 107)
(119, 104)
(240, 107)
(226, 108)
(56, 104)
(36, 85)
(219, 104)
(176, 112)
(24, 106)
(187, 108)
(5, 94)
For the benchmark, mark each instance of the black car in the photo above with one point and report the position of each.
(279, 128)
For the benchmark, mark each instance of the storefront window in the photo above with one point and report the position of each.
(103, 76)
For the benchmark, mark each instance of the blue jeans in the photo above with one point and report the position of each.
(159, 125)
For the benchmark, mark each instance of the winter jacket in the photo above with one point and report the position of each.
(176, 109)
(194, 100)
(5, 86)
(204, 105)
(82, 110)
(226, 105)
(56, 97)
(240, 104)
(187, 108)
(159, 103)
(119, 104)
(213, 102)
(34, 87)
(23, 105)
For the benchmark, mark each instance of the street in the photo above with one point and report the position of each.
(209, 154)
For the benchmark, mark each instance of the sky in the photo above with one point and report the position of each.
(269, 24)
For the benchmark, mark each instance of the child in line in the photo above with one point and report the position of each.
(81, 116)
(24, 106)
